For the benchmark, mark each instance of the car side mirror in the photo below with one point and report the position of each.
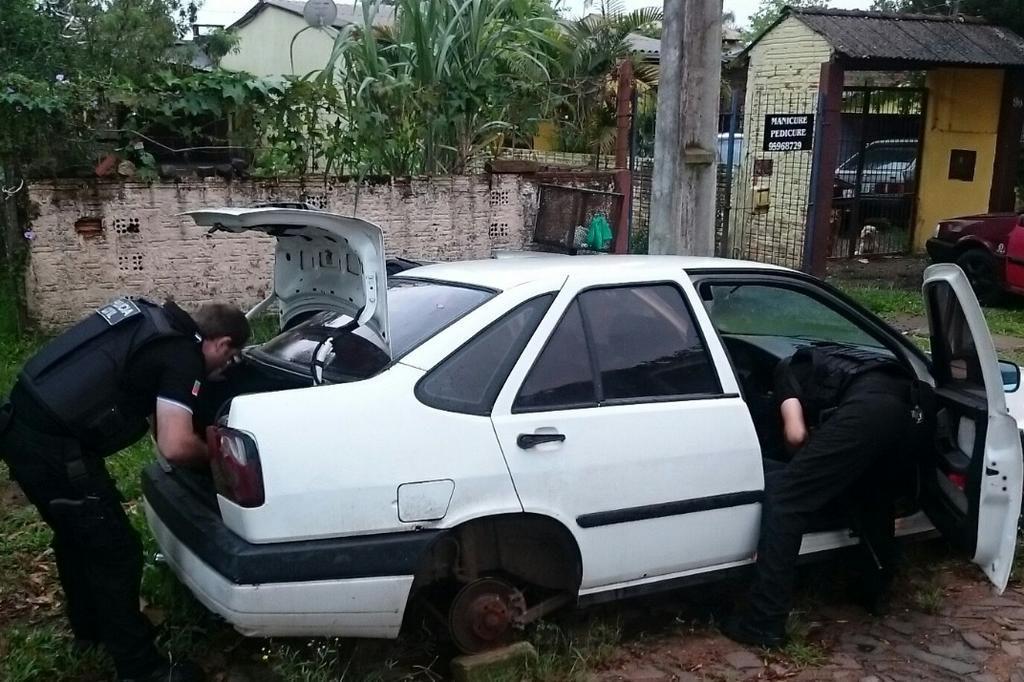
(1011, 375)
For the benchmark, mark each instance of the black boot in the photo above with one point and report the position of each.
(179, 671)
(745, 630)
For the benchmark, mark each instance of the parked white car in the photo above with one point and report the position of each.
(509, 436)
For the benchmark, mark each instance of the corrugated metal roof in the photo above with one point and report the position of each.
(924, 38)
(644, 45)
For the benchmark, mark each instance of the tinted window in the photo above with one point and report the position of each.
(646, 344)
(469, 380)
(416, 309)
(956, 359)
(640, 343)
(762, 310)
(561, 377)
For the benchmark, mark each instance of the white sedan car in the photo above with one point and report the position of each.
(513, 435)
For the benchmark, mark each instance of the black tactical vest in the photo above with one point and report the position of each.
(829, 371)
(77, 377)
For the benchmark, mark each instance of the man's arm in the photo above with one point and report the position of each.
(793, 426)
(175, 439)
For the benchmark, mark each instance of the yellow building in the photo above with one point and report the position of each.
(915, 119)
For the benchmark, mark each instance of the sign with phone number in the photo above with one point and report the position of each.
(788, 132)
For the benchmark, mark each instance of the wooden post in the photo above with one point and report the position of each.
(685, 173)
(826, 156)
(12, 242)
(623, 177)
(1002, 197)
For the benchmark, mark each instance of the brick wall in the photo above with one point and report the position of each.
(782, 78)
(146, 247)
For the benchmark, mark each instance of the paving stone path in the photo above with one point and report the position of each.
(974, 636)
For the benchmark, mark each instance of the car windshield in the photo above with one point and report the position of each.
(879, 158)
(417, 309)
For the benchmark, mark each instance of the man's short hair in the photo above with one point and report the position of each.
(216, 320)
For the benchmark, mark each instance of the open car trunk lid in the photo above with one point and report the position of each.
(323, 261)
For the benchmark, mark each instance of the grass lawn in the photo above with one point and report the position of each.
(35, 645)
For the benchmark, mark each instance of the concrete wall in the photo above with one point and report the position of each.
(963, 113)
(146, 247)
(769, 216)
(264, 47)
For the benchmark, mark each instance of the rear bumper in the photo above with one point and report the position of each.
(348, 587)
(360, 607)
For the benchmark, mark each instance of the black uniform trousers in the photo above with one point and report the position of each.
(863, 435)
(98, 553)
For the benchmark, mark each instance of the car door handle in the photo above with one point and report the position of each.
(530, 440)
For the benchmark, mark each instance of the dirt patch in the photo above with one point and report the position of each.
(11, 496)
(886, 272)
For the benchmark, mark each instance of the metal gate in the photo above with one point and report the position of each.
(765, 191)
(641, 166)
(876, 181)
(729, 145)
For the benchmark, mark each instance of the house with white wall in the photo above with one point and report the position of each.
(275, 40)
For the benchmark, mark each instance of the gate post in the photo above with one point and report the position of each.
(826, 155)
(1011, 119)
(730, 157)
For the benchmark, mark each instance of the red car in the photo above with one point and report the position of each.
(989, 248)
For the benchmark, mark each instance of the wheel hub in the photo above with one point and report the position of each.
(485, 614)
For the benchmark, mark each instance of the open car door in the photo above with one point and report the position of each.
(972, 479)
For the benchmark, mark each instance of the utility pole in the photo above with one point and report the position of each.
(686, 130)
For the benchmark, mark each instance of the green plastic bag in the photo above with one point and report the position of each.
(599, 234)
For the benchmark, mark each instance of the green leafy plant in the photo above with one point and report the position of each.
(441, 85)
(587, 87)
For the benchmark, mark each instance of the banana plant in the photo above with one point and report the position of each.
(429, 92)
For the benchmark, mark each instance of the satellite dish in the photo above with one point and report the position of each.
(320, 13)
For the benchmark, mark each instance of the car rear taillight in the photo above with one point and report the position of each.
(235, 463)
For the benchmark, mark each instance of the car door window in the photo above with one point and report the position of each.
(766, 310)
(469, 379)
(621, 344)
(563, 377)
(957, 364)
(646, 344)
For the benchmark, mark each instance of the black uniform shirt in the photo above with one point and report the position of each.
(169, 370)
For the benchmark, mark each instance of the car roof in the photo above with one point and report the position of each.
(505, 273)
(895, 142)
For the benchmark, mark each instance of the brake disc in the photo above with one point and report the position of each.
(485, 614)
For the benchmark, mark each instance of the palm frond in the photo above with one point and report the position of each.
(638, 19)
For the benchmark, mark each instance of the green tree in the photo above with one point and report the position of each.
(770, 10)
(586, 86)
(128, 38)
(32, 45)
(89, 38)
(74, 77)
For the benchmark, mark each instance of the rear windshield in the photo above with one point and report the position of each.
(417, 309)
(881, 158)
